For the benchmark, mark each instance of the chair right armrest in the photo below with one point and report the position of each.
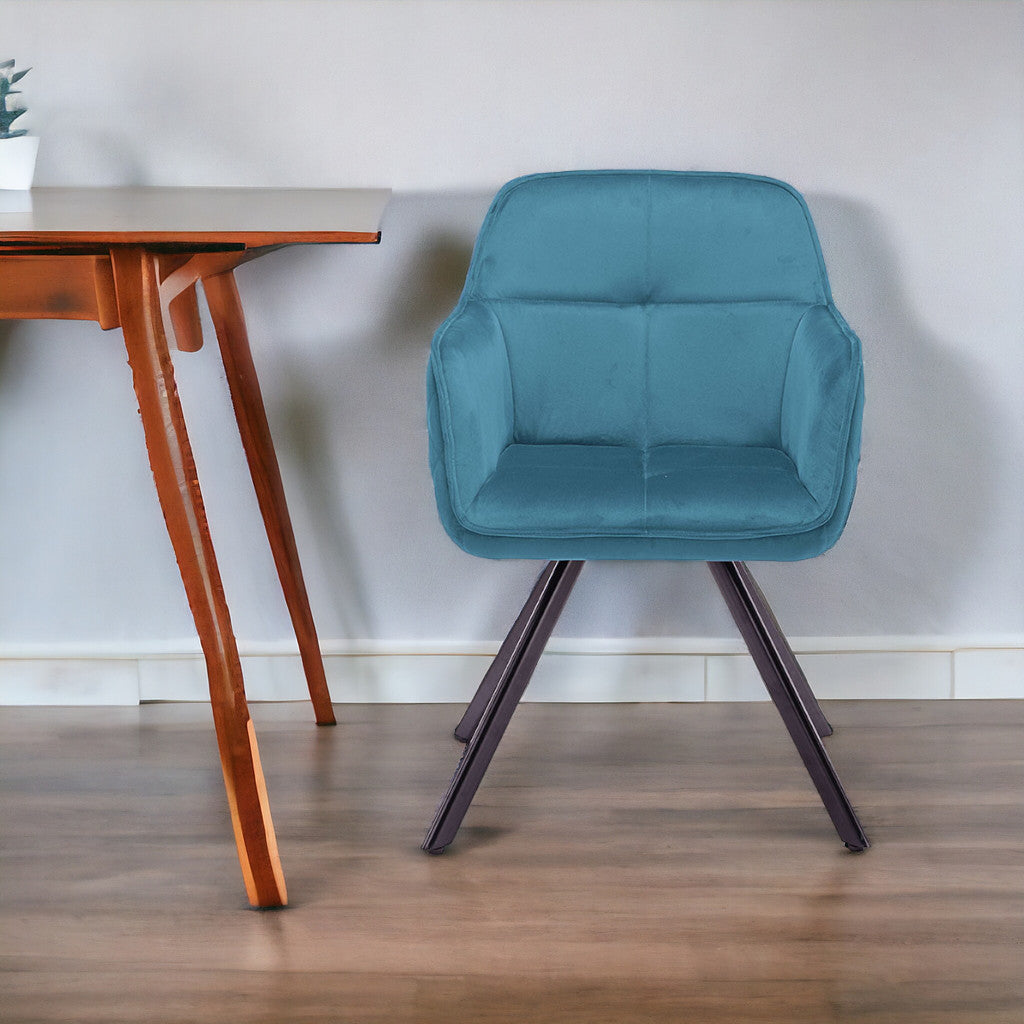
(471, 384)
(824, 380)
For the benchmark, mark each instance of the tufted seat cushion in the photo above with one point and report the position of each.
(697, 491)
(645, 365)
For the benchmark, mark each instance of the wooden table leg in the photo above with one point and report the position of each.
(177, 484)
(229, 321)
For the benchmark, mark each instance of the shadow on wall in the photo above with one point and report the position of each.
(928, 465)
(349, 418)
(5, 342)
(373, 378)
(348, 413)
(9, 364)
(929, 456)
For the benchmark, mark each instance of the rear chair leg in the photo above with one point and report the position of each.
(774, 661)
(499, 694)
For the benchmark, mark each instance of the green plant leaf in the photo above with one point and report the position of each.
(19, 75)
(7, 118)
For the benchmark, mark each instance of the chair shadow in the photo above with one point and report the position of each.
(348, 414)
(929, 463)
(474, 837)
(349, 422)
(925, 482)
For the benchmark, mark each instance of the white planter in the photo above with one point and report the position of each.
(18, 162)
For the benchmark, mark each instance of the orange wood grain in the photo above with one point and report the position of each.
(106, 294)
(179, 271)
(229, 322)
(65, 261)
(170, 454)
(52, 287)
(183, 313)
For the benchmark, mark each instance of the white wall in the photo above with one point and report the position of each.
(902, 123)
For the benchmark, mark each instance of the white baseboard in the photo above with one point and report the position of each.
(584, 670)
(83, 680)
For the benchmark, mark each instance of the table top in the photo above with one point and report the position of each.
(238, 217)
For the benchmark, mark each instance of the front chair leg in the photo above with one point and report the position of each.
(781, 644)
(526, 643)
(760, 632)
(506, 652)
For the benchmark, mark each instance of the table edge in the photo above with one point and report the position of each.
(246, 239)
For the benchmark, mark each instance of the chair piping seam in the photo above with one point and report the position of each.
(774, 300)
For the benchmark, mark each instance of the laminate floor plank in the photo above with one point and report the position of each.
(621, 863)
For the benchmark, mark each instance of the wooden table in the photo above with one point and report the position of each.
(131, 258)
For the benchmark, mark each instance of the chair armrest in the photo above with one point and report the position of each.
(824, 380)
(470, 381)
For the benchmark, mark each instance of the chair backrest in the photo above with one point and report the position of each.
(648, 236)
(648, 307)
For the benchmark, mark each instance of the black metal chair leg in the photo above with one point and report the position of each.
(558, 580)
(506, 652)
(792, 666)
(734, 581)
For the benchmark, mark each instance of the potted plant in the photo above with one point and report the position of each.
(17, 147)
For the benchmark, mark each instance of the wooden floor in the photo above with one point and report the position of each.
(621, 864)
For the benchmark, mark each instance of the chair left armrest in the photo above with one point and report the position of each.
(824, 380)
(470, 385)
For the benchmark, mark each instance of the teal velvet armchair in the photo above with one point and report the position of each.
(645, 365)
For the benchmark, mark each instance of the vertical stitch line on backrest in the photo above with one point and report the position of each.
(645, 307)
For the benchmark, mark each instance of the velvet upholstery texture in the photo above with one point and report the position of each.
(645, 364)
